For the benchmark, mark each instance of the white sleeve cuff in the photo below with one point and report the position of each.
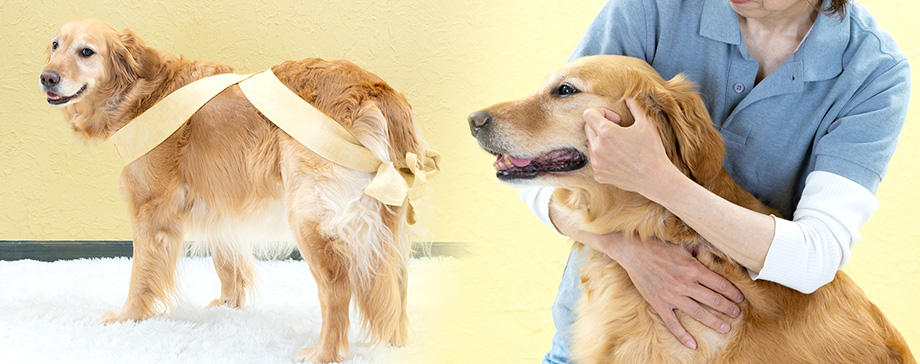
(537, 199)
(806, 252)
(792, 257)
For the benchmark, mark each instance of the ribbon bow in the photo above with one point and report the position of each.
(394, 184)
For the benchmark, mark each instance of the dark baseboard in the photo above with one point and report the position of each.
(49, 251)
(52, 250)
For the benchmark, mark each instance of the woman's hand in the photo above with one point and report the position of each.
(626, 157)
(666, 275)
(670, 278)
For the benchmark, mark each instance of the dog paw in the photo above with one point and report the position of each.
(317, 356)
(232, 303)
(399, 339)
(401, 334)
(114, 317)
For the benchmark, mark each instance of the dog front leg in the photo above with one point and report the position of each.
(157, 243)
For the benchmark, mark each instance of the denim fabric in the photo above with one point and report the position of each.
(564, 308)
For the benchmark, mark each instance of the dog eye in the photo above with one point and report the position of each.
(54, 45)
(565, 90)
(86, 52)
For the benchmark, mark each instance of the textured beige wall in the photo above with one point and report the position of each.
(449, 58)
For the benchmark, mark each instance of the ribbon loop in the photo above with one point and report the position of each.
(388, 186)
(415, 173)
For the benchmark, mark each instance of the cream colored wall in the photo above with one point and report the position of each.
(449, 58)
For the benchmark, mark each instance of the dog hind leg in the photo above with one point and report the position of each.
(401, 335)
(236, 275)
(381, 303)
(330, 271)
(381, 296)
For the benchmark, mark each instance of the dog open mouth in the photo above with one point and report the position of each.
(55, 99)
(560, 160)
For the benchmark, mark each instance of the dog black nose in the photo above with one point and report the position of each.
(479, 120)
(50, 78)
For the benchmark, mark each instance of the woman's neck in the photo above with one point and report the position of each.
(792, 23)
(773, 37)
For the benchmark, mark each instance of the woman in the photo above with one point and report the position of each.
(809, 98)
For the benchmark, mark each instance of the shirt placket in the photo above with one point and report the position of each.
(741, 75)
(785, 79)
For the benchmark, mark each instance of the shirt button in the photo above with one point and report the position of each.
(739, 87)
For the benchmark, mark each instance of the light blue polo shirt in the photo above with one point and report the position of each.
(836, 105)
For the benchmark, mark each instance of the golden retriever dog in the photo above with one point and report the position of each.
(228, 170)
(540, 140)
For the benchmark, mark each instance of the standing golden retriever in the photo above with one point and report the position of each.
(228, 168)
(539, 140)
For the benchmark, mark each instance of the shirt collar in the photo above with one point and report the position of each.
(719, 22)
(822, 51)
(820, 54)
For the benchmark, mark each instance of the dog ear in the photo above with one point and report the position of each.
(129, 58)
(680, 112)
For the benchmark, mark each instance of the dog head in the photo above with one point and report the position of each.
(88, 59)
(540, 139)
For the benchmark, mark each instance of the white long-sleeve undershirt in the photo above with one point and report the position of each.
(807, 251)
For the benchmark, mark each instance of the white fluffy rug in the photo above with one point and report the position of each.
(48, 314)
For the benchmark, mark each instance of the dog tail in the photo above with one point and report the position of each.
(403, 135)
(381, 298)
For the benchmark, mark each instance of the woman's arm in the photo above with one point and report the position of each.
(667, 276)
(630, 157)
(802, 254)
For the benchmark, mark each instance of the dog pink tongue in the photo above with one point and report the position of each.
(53, 95)
(520, 162)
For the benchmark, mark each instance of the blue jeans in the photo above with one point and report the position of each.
(564, 309)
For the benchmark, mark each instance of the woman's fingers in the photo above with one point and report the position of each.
(610, 115)
(590, 132)
(635, 108)
(720, 285)
(596, 123)
(597, 116)
(712, 299)
(670, 321)
(701, 314)
(600, 123)
(669, 278)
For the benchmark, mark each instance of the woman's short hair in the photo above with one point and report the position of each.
(836, 7)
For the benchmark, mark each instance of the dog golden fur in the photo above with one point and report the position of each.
(539, 140)
(229, 166)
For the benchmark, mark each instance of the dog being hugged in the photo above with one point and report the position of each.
(228, 170)
(540, 140)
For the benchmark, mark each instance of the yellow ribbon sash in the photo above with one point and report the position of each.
(391, 185)
(160, 121)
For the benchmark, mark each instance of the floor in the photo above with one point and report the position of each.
(48, 312)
